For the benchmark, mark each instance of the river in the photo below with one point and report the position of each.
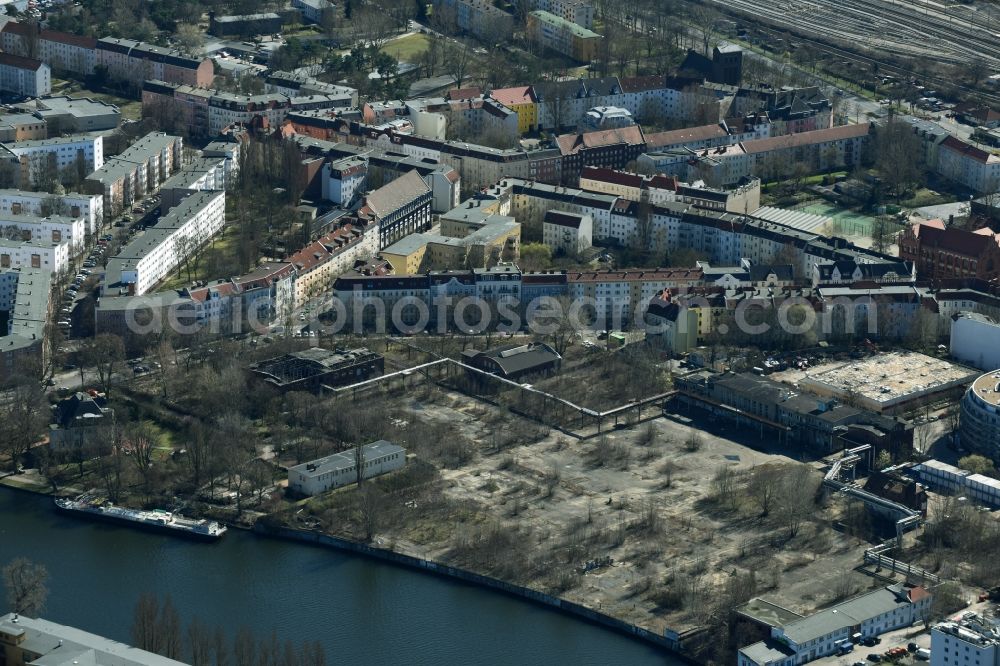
(362, 611)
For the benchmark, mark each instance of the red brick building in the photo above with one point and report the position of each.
(941, 252)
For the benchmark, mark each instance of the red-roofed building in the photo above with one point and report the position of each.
(968, 165)
(24, 76)
(819, 149)
(612, 149)
(61, 51)
(321, 261)
(947, 252)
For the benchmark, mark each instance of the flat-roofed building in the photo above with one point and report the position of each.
(136, 172)
(344, 468)
(153, 254)
(972, 640)
(51, 228)
(25, 298)
(42, 204)
(980, 415)
(21, 127)
(76, 115)
(40, 160)
(43, 254)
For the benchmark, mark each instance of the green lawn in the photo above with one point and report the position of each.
(407, 49)
(214, 263)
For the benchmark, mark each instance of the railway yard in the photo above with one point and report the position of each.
(886, 35)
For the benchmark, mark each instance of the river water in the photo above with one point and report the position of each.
(362, 611)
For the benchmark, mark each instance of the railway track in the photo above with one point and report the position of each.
(885, 67)
(896, 25)
(878, 24)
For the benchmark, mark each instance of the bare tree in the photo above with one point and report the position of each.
(458, 59)
(140, 439)
(106, 354)
(22, 416)
(145, 628)
(24, 583)
(763, 487)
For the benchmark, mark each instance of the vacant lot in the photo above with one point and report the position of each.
(679, 511)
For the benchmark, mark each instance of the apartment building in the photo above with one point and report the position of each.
(61, 51)
(51, 228)
(24, 76)
(319, 263)
(613, 149)
(580, 12)
(90, 207)
(152, 255)
(557, 34)
(267, 292)
(840, 146)
(135, 62)
(480, 240)
(202, 173)
(206, 113)
(136, 172)
(478, 17)
(25, 298)
(523, 102)
(660, 189)
(42, 254)
(972, 640)
(567, 233)
(398, 208)
(40, 159)
(968, 165)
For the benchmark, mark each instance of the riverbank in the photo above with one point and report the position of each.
(670, 643)
(364, 611)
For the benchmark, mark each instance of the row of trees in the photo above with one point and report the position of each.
(157, 627)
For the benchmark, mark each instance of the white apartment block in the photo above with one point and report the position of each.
(59, 50)
(53, 229)
(968, 165)
(567, 233)
(45, 255)
(24, 76)
(974, 640)
(35, 157)
(136, 172)
(152, 255)
(580, 12)
(22, 202)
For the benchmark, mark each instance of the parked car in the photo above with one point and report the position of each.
(874, 658)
